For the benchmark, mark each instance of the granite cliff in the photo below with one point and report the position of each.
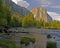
(40, 13)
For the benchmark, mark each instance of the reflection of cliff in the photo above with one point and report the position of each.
(41, 13)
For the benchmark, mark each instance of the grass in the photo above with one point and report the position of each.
(7, 44)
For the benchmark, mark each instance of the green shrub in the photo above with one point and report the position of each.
(51, 45)
(26, 40)
(7, 44)
(49, 36)
(33, 40)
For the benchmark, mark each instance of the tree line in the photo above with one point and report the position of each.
(17, 20)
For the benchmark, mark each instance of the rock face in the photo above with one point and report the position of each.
(49, 18)
(40, 13)
(16, 8)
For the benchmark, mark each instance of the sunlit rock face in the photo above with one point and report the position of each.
(40, 13)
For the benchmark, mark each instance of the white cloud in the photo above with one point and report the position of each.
(50, 3)
(56, 6)
(44, 5)
(15, 1)
(46, 2)
(54, 15)
(21, 3)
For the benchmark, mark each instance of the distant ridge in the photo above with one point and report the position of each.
(49, 18)
(16, 8)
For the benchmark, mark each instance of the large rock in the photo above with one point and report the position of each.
(40, 13)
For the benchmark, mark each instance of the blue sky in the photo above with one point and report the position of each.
(52, 6)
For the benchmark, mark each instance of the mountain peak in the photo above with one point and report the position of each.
(41, 13)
